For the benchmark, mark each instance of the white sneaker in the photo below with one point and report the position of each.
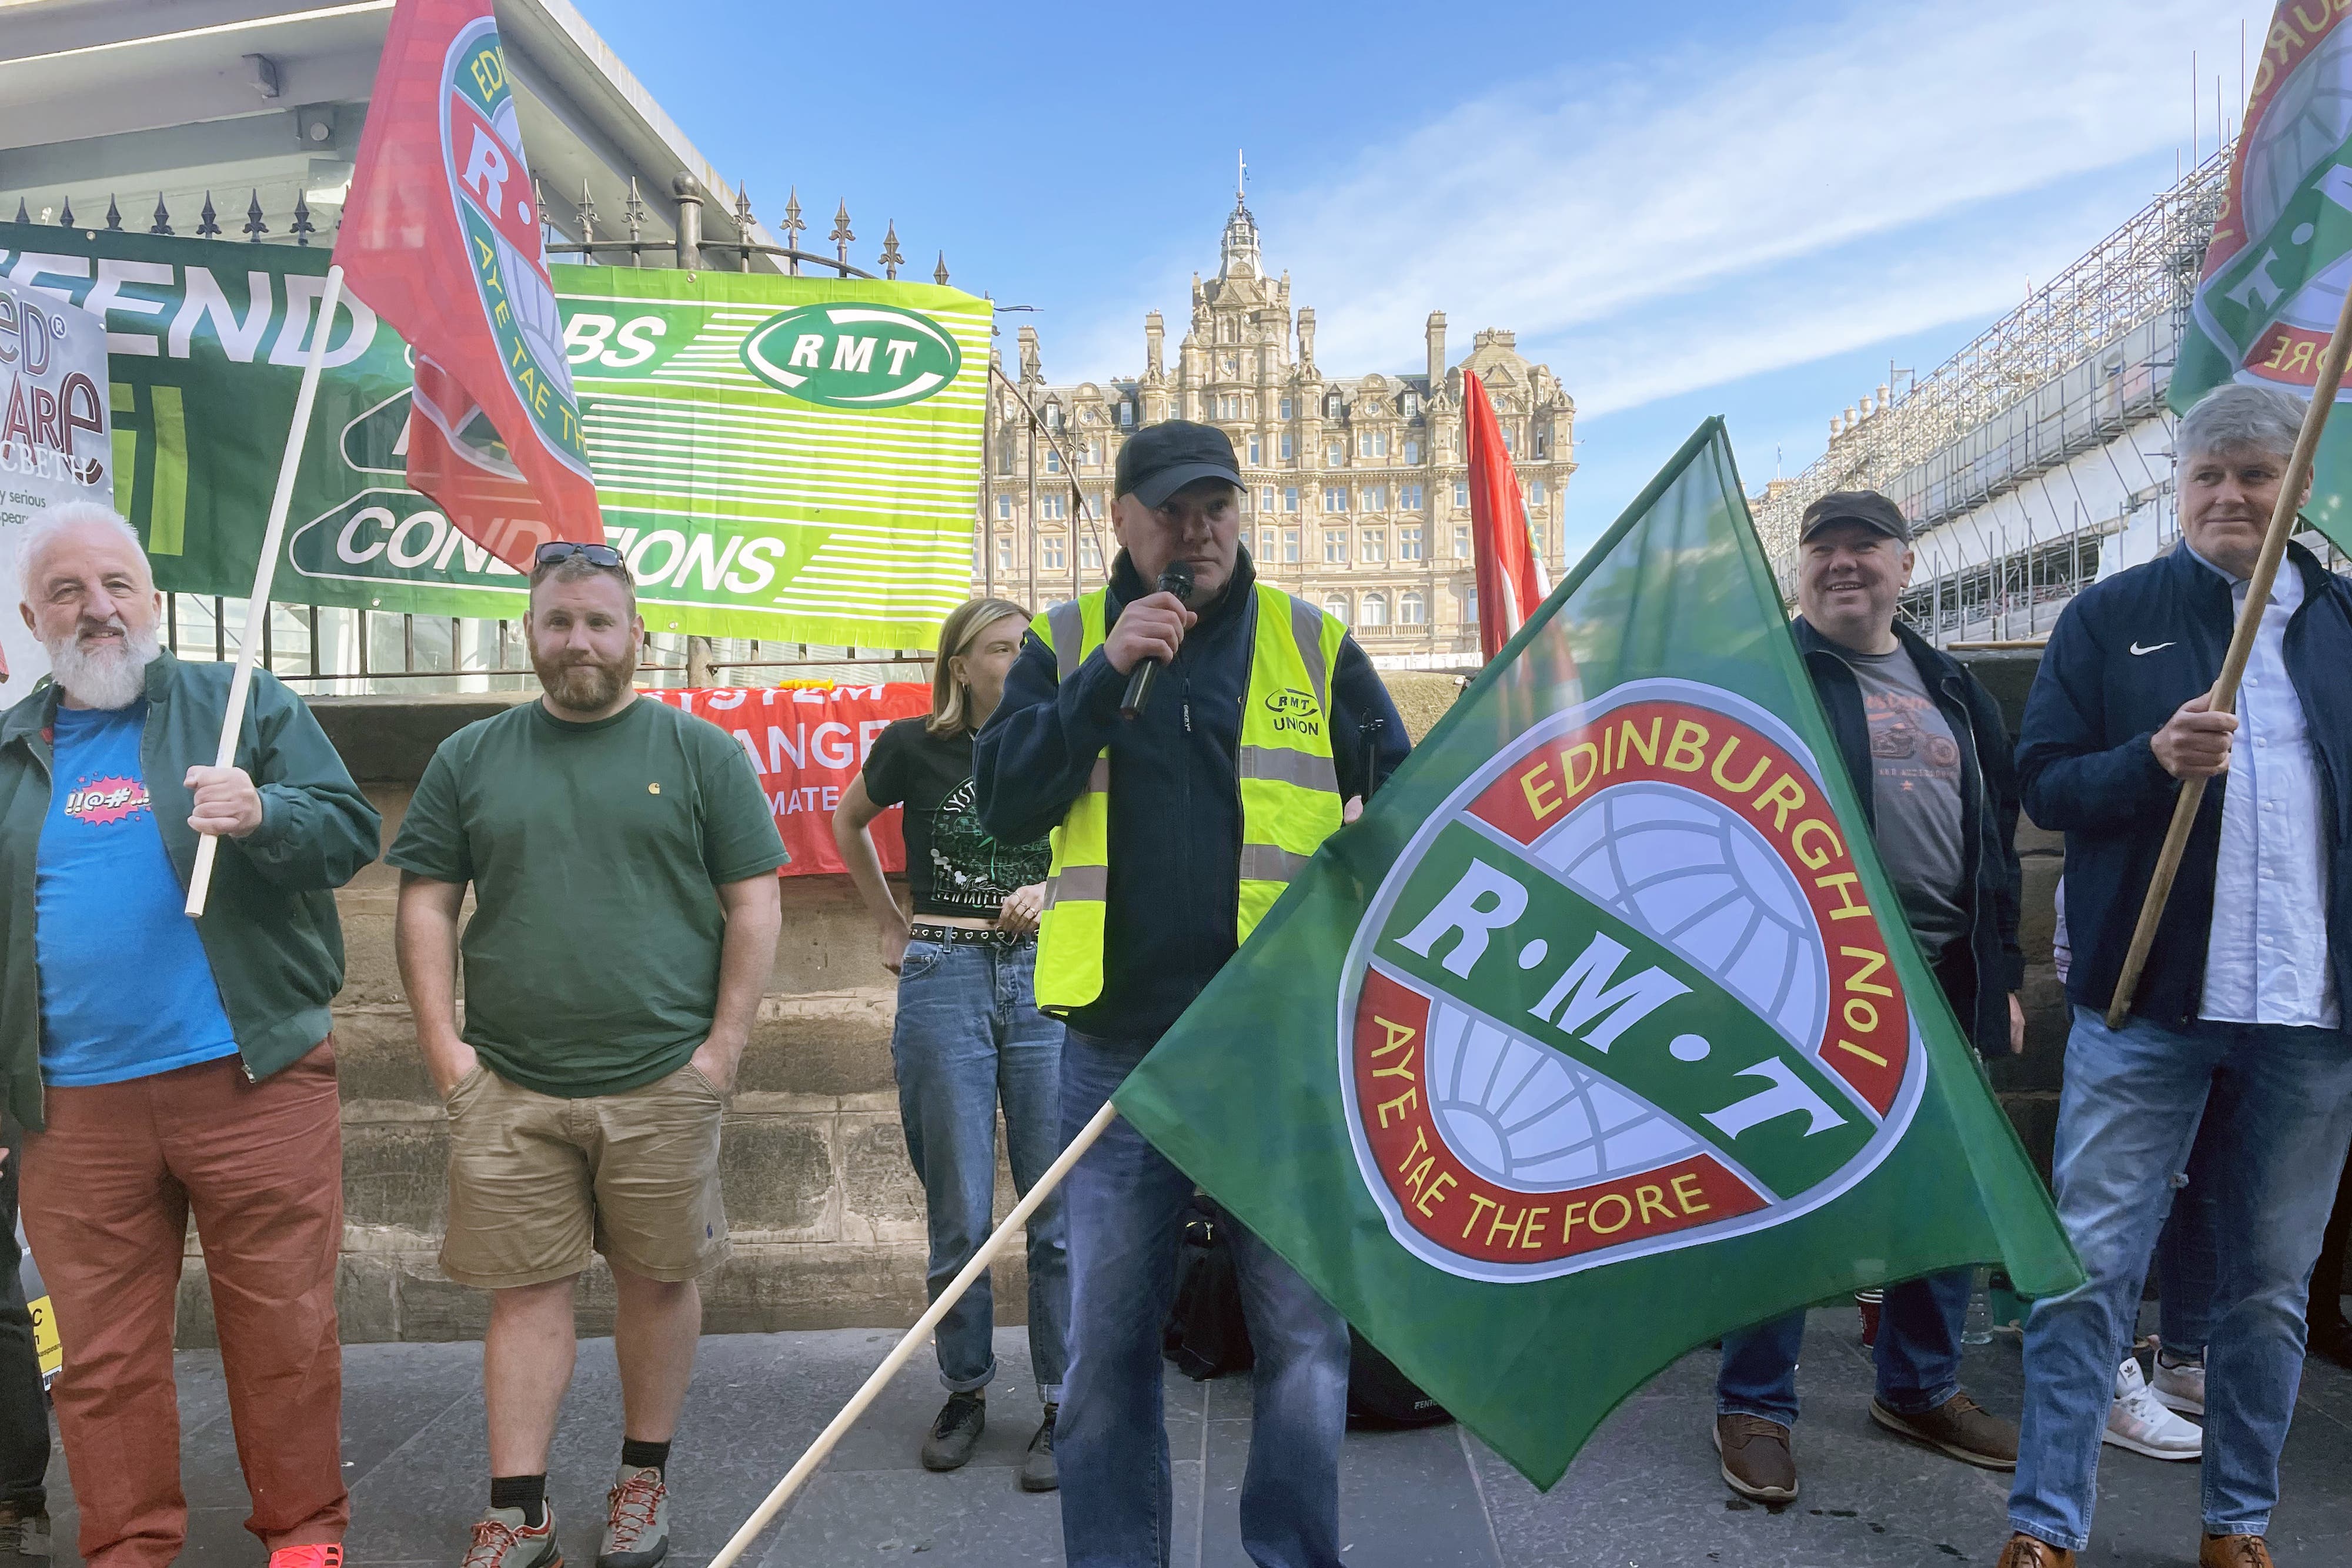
(2136, 1421)
(2180, 1387)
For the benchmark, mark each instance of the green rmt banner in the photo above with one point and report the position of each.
(2281, 249)
(1602, 1033)
(777, 457)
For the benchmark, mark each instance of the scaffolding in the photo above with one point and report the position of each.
(2084, 357)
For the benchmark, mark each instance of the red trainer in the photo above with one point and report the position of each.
(323, 1556)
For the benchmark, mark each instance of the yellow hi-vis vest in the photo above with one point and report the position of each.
(1289, 784)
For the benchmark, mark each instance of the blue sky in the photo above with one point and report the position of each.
(1710, 208)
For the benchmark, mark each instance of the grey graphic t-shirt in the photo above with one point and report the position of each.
(953, 866)
(1917, 795)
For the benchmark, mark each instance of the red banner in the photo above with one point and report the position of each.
(808, 745)
(441, 236)
(1510, 582)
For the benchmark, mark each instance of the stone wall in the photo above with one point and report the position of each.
(826, 1215)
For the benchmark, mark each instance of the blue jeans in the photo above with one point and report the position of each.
(2278, 1105)
(2187, 1256)
(968, 1034)
(1126, 1202)
(1918, 1353)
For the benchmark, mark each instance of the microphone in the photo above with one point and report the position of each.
(1176, 579)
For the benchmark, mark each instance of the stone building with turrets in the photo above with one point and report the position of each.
(1356, 493)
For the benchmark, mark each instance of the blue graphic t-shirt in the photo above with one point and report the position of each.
(126, 989)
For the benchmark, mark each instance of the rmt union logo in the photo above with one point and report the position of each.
(1295, 712)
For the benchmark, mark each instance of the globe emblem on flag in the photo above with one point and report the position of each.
(1623, 993)
(2303, 128)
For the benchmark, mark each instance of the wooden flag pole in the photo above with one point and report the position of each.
(257, 609)
(762, 1516)
(2242, 647)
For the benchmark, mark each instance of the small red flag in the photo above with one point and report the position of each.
(441, 238)
(1510, 581)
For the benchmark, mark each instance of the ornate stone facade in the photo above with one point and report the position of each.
(1356, 491)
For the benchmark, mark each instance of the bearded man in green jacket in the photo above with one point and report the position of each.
(163, 1066)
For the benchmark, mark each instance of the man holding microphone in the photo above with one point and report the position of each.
(1173, 833)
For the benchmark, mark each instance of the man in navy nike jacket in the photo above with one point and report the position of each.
(2238, 1019)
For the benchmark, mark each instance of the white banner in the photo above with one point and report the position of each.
(56, 444)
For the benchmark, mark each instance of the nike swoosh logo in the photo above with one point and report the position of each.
(2151, 648)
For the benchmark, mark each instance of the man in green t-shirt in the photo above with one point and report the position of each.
(623, 862)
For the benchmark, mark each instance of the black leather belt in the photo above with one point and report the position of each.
(967, 936)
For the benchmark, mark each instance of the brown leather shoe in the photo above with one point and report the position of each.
(2025, 1551)
(1958, 1426)
(1757, 1462)
(2233, 1552)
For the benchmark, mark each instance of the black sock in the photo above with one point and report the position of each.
(643, 1456)
(527, 1493)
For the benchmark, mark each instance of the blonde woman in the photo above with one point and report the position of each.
(969, 1033)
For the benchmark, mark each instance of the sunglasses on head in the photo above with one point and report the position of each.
(557, 552)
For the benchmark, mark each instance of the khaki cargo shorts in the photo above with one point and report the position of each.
(536, 1183)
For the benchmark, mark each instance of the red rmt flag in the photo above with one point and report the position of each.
(441, 236)
(1510, 581)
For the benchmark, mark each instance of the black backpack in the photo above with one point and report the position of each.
(1205, 1334)
(1380, 1395)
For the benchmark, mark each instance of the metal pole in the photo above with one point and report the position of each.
(988, 496)
(690, 193)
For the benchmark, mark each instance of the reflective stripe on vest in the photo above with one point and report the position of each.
(1288, 784)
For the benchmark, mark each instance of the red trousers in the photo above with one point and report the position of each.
(108, 1189)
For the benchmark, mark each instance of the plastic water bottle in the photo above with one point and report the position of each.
(1977, 1329)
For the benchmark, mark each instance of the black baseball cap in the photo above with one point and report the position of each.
(1867, 508)
(1160, 459)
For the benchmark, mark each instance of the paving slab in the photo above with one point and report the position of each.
(1645, 1493)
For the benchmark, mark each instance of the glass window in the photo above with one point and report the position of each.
(1052, 416)
(1050, 505)
(1089, 554)
(1335, 453)
(1266, 499)
(1409, 497)
(1266, 544)
(1290, 545)
(1462, 542)
(1004, 555)
(1408, 543)
(1376, 610)
(1543, 443)
(1245, 502)
(1334, 546)
(1335, 497)
(1255, 460)
(1049, 552)
(1510, 438)
(1411, 451)
(1331, 407)
(1290, 498)
(1411, 610)
(1376, 498)
(1411, 407)
(1286, 414)
(1053, 460)
(1003, 509)
(1289, 442)
(1336, 604)
(1126, 416)
(1470, 605)
(1461, 494)
(1376, 545)
(1536, 491)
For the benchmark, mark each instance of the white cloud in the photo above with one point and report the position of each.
(1646, 215)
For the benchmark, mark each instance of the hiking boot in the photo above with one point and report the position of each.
(956, 1433)
(1038, 1464)
(502, 1540)
(2180, 1386)
(2233, 1552)
(1958, 1426)
(636, 1520)
(2025, 1551)
(25, 1539)
(2138, 1422)
(324, 1556)
(1757, 1462)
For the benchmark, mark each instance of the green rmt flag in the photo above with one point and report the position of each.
(1602, 1033)
(2276, 270)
